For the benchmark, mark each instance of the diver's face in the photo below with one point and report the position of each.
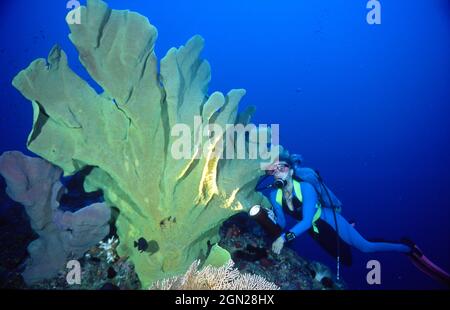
(282, 171)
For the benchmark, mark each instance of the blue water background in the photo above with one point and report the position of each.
(368, 105)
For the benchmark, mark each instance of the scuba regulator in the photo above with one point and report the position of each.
(279, 183)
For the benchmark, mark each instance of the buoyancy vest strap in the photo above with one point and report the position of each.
(298, 193)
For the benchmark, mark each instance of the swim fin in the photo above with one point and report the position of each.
(425, 265)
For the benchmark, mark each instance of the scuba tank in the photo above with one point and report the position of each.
(326, 197)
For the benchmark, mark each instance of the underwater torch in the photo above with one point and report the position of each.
(261, 215)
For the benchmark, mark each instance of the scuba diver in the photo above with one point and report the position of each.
(300, 194)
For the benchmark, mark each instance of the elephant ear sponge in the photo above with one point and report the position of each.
(125, 134)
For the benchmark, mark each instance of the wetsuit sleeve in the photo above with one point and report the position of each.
(309, 209)
(277, 209)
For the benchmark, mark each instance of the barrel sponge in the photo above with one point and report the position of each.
(35, 183)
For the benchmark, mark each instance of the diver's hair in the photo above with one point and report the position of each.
(286, 157)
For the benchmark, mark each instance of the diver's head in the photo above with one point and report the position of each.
(282, 169)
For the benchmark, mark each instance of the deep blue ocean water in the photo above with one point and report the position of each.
(368, 105)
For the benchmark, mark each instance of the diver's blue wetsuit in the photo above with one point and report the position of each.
(346, 231)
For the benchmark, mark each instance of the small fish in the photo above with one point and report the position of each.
(141, 244)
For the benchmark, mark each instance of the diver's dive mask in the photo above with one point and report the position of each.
(278, 167)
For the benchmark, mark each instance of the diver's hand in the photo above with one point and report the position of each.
(277, 245)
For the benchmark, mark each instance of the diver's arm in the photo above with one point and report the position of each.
(277, 209)
(277, 245)
(309, 208)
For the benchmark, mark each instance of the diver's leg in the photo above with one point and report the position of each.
(351, 236)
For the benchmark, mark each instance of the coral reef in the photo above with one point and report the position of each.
(124, 133)
(109, 249)
(35, 184)
(214, 278)
(97, 274)
(287, 270)
(249, 246)
(321, 274)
